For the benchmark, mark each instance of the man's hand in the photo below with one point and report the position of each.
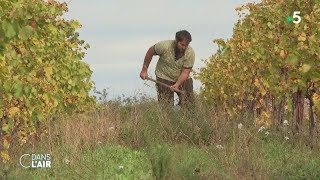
(183, 76)
(143, 74)
(175, 87)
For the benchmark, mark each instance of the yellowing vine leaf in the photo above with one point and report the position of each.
(5, 156)
(306, 68)
(12, 111)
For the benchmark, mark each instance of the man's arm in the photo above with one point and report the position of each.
(147, 59)
(183, 76)
(187, 67)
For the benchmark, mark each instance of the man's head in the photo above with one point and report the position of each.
(183, 38)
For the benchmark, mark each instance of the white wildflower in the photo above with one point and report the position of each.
(285, 122)
(240, 126)
(66, 161)
(261, 128)
(286, 138)
(267, 133)
(121, 167)
(219, 146)
(24, 141)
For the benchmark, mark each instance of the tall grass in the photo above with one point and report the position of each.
(140, 140)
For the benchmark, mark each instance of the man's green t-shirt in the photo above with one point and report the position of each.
(168, 67)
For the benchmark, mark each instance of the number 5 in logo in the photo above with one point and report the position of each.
(296, 14)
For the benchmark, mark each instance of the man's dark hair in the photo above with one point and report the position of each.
(181, 35)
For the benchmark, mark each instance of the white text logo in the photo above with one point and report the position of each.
(35, 161)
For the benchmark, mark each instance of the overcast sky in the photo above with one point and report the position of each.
(120, 32)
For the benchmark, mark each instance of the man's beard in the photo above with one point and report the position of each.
(178, 53)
